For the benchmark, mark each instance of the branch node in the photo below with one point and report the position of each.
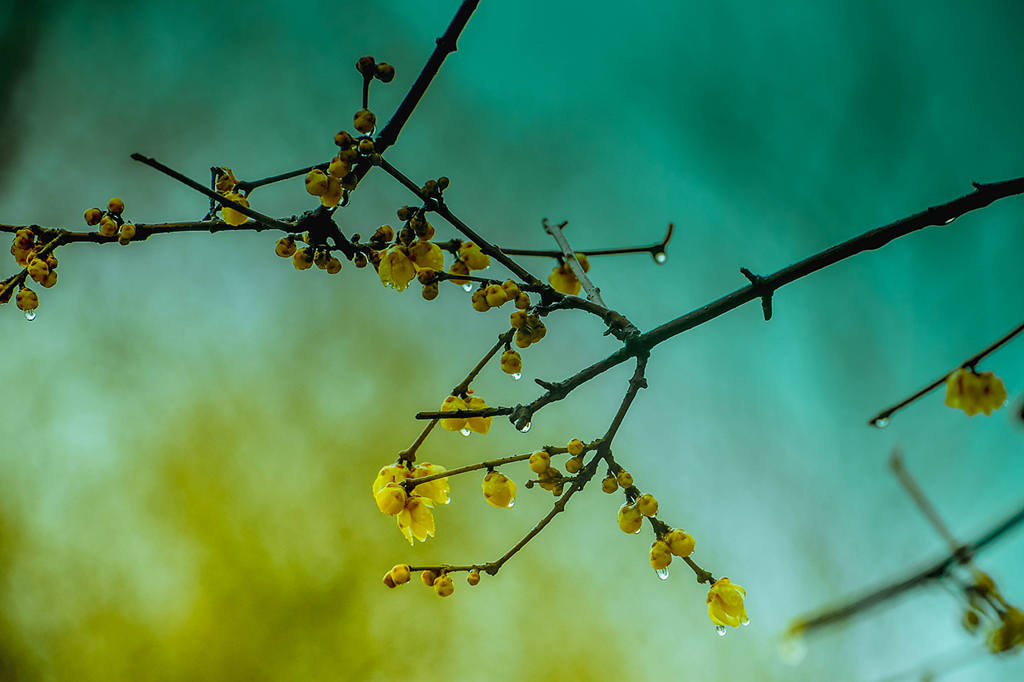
(757, 281)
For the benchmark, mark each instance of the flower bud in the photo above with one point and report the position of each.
(574, 464)
(681, 544)
(630, 519)
(316, 182)
(343, 139)
(385, 72)
(115, 206)
(473, 578)
(624, 478)
(285, 247)
(27, 299)
(364, 121)
(428, 578)
(661, 557)
(400, 574)
(609, 485)
(575, 447)
(92, 216)
(126, 234)
(443, 586)
(511, 362)
(540, 462)
(367, 66)
(647, 504)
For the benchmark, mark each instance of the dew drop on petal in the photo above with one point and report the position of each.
(745, 622)
(881, 423)
(662, 573)
(525, 427)
(720, 629)
(464, 431)
(30, 315)
(511, 503)
(517, 376)
(467, 287)
(660, 258)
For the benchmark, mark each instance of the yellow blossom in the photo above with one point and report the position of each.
(473, 257)
(661, 557)
(680, 543)
(647, 504)
(478, 424)
(232, 216)
(393, 473)
(1010, 634)
(436, 490)
(725, 603)
(500, 490)
(391, 499)
(453, 403)
(562, 279)
(426, 254)
(973, 392)
(540, 462)
(630, 519)
(459, 268)
(396, 270)
(511, 362)
(575, 447)
(416, 521)
(609, 485)
(443, 586)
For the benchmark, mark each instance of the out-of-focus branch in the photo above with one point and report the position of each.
(881, 419)
(883, 594)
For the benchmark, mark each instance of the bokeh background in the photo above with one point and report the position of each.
(191, 426)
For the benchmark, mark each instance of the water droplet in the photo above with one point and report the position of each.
(745, 622)
(660, 258)
(464, 431)
(517, 376)
(467, 287)
(720, 629)
(949, 220)
(512, 503)
(525, 427)
(30, 315)
(881, 423)
(662, 573)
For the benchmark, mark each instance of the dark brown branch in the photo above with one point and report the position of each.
(923, 503)
(881, 419)
(219, 198)
(933, 572)
(942, 214)
(439, 207)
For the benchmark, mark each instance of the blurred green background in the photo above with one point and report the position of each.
(191, 426)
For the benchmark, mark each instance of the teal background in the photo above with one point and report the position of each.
(191, 425)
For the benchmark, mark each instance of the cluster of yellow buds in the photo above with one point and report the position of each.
(973, 392)
(612, 483)
(985, 601)
(441, 581)
(39, 265)
(411, 255)
(111, 222)
(470, 257)
(529, 328)
(549, 477)
(370, 68)
(465, 425)
(227, 184)
(412, 509)
(308, 256)
(497, 295)
(563, 279)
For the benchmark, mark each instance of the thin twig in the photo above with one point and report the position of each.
(219, 198)
(883, 417)
(593, 293)
(654, 250)
(942, 214)
(923, 503)
(928, 574)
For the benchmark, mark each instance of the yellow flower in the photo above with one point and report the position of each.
(562, 279)
(1010, 634)
(230, 215)
(540, 462)
(436, 490)
(661, 557)
(396, 270)
(416, 521)
(495, 295)
(500, 490)
(390, 474)
(453, 403)
(426, 254)
(443, 586)
(473, 257)
(725, 603)
(680, 543)
(630, 519)
(459, 268)
(575, 447)
(647, 504)
(974, 393)
(316, 182)
(511, 362)
(478, 424)
(391, 499)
